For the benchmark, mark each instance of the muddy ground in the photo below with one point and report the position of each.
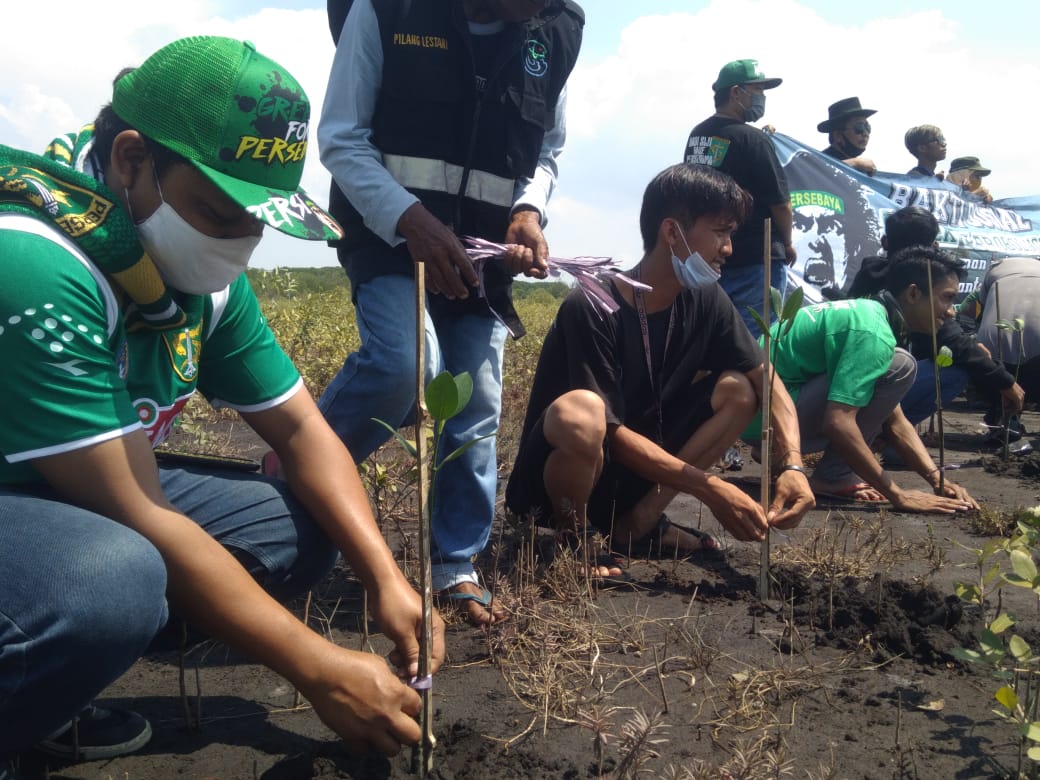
(846, 671)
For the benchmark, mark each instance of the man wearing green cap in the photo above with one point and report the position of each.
(727, 142)
(121, 294)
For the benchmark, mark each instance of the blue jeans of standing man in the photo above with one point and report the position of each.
(378, 381)
(919, 402)
(82, 596)
(743, 284)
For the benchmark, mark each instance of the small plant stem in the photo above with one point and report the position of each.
(660, 680)
(938, 388)
(1000, 359)
(767, 427)
(423, 753)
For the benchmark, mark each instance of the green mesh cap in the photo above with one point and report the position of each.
(239, 117)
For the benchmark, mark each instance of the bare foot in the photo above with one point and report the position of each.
(475, 602)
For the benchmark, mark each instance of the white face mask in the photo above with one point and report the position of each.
(189, 260)
(694, 271)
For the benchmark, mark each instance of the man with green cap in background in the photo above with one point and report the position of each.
(726, 141)
(122, 293)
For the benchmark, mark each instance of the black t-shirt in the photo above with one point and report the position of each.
(588, 350)
(747, 154)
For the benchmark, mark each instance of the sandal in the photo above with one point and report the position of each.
(458, 598)
(650, 545)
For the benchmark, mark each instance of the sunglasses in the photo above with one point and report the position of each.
(861, 128)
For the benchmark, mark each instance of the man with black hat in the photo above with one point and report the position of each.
(968, 173)
(726, 141)
(848, 131)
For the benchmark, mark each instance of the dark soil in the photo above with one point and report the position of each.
(846, 671)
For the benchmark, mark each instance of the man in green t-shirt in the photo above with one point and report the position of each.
(122, 292)
(840, 362)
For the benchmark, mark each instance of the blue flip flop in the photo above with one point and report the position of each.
(483, 598)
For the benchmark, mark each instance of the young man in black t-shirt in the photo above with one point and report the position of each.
(629, 409)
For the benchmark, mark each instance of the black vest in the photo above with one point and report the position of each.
(431, 116)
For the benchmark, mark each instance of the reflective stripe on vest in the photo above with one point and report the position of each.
(421, 173)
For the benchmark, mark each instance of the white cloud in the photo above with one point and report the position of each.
(629, 111)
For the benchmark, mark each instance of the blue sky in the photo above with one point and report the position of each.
(642, 82)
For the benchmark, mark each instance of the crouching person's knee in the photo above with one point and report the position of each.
(577, 422)
(735, 396)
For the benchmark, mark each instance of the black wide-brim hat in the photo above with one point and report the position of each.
(842, 111)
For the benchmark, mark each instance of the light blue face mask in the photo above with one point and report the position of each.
(694, 271)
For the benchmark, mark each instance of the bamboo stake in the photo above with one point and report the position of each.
(422, 755)
(938, 385)
(767, 423)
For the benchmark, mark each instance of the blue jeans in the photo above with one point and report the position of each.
(82, 597)
(378, 381)
(919, 402)
(743, 285)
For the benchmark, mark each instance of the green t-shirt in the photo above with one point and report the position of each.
(849, 341)
(75, 376)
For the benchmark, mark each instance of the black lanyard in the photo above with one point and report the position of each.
(655, 386)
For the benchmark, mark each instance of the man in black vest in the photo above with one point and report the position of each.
(442, 120)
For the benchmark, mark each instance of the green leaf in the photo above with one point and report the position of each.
(1007, 697)
(1019, 648)
(458, 451)
(762, 326)
(406, 443)
(776, 302)
(964, 654)
(1004, 325)
(967, 592)
(945, 358)
(1020, 324)
(1023, 565)
(793, 303)
(1031, 731)
(1033, 753)
(1000, 624)
(447, 395)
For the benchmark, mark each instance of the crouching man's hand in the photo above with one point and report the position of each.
(358, 697)
(793, 499)
(739, 514)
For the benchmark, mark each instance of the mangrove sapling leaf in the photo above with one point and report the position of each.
(1007, 697)
(968, 592)
(1031, 731)
(460, 450)
(1000, 624)
(447, 395)
(1023, 569)
(945, 357)
(1020, 649)
(1033, 753)
(408, 444)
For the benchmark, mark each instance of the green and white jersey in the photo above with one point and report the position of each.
(74, 375)
(849, 341)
